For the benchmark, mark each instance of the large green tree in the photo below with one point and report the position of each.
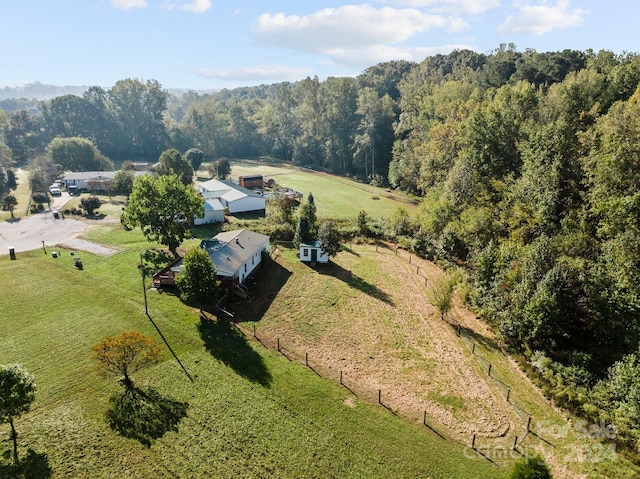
(306, 227)
(329, 238)
(24, 136)
(164, 209)
(17, 392)
(137, 110)
(197, 281)
(78, 154)
(220, 169)
(195, 157)
(10, 202)
(123, 182)
(172, 162)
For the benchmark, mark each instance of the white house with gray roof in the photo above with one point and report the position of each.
(232, 196)
(235, 254)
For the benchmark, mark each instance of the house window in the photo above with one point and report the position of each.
(305, 252)
(252, 261)
(245, 267)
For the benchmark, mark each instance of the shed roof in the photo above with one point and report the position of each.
(313, 244)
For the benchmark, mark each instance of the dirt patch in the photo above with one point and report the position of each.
(89, 246)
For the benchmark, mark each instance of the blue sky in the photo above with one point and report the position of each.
(212, 44)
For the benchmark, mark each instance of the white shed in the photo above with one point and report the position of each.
(313, 252)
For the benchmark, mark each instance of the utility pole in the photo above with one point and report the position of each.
(144, 286)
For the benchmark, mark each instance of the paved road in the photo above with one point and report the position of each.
(28, 233)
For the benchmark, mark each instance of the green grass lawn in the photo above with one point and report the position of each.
(111, 207)
(251, 413)
(335, 197)
(22, 195)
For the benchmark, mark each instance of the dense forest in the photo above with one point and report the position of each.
(526, 165)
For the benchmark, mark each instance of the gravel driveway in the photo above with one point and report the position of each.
(32, 232)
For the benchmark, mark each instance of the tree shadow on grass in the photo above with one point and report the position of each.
(227, 344)
(155, 259)
(144, 415)
(33, 465)
(338, 272)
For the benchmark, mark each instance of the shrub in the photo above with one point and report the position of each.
(90, 204)
(40, 197)
(531, 467)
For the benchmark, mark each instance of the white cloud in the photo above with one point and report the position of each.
(256, 73)
(356, 35)
(197, 6)
(543, 18)
(347, 27)
(456, 25)
(127, 4)
(368, 56)
(472, 7)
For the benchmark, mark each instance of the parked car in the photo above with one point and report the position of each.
(55, 191)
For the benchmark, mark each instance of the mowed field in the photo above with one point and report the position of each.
(335, 197)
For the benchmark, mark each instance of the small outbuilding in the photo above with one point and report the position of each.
(213, 213)
(249, 182)
(313, 253)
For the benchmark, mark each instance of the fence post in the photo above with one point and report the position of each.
(489, 372)
(528, 424)
(306, 359)
(425, 281)
(459, 332)
(424, 419)
(278, 344)
(515, 444)
(396, 251)
(341, 378)
(473, 442)
(254, 331)
(473, 348)
(508, 393)
(409, 259)
(379, 396)
(417, 269)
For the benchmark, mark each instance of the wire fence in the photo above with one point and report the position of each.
(485, 446)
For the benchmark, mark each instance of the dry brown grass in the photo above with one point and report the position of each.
(367, 316)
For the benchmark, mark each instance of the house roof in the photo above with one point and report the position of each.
(89, 175)
(97, 175)
(229, 250)
(227, 190)
(213, 204)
